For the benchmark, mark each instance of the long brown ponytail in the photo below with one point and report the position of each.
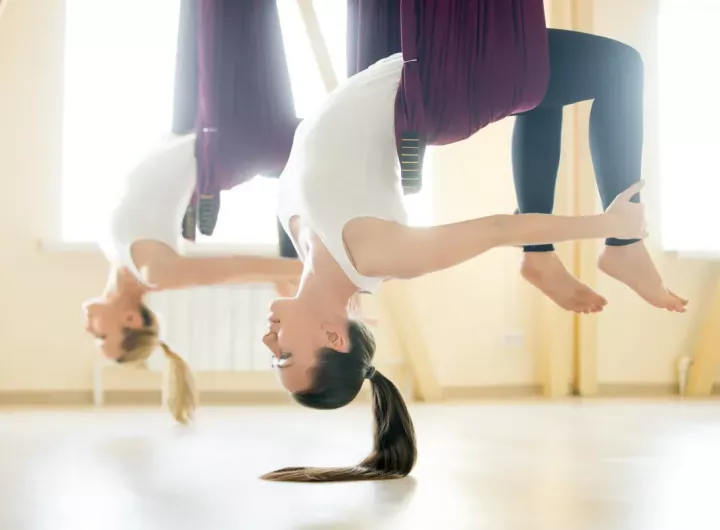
(338, 380)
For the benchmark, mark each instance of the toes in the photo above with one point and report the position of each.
(588, 308)
(683, 301)
(676, 303)
(680, 308)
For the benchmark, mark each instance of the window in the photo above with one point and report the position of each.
(118, 103)
(689, 81)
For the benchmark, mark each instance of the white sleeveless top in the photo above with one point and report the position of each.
(153, 202)
(344, 164)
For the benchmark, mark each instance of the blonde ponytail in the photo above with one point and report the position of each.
(182, 397)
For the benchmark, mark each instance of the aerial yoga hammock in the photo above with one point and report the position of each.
(464, 65)
(469, 64)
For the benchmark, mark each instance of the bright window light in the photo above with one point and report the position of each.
(119, 77)
(689, 82)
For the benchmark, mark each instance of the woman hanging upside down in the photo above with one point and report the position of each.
(470, 63)
(141, 245)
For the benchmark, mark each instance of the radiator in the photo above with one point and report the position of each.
(217, 328)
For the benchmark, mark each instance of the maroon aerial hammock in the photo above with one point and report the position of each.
(468, 63)
(233, 90)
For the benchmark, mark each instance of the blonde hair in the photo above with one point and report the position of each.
(139, 344)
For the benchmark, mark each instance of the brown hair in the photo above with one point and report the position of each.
(337, 380)
(139, 344)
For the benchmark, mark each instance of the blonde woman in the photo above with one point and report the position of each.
(141, 245)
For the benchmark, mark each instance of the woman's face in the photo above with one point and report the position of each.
(105, 320)
(294, 337)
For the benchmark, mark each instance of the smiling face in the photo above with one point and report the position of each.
(106, 320)
(295, 337)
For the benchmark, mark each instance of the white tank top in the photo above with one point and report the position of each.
(153, 202)
(344, 164)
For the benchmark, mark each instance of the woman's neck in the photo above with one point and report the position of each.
(324, 287)
(122, 284)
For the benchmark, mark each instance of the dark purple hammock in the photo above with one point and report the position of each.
(469, 63)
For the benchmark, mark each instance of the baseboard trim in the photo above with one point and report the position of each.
(647, 390)
(69, 398)
(622, 390)
(141, 397)
(207, 398)
(58, 398)
(636, 390)
(469, 393)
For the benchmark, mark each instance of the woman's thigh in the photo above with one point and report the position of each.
(583, 65)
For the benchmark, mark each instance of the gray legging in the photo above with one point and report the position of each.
(582, 67)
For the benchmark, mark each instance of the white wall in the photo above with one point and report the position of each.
(43, 347)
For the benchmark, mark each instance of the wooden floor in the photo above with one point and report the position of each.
(525, 466)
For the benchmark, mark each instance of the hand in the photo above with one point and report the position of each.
(626, 220)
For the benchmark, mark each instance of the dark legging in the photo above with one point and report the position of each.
(582, 67)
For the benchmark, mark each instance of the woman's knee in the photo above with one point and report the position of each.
(629, 60)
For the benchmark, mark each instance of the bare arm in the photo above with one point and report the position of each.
(408, 252)
(195, 272)
(166, 269)
(394, 250)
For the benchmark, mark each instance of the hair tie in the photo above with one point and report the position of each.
(370, 372)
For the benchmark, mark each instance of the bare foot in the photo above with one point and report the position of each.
(633, 266)
(545, 271)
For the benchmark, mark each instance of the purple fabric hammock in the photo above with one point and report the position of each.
(469, 63)
(245, 118)
(373, 32)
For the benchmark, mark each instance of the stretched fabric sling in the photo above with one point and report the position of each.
(185, 98)
(373, 33)
(245, 118)
(468, 63)
(186, 70)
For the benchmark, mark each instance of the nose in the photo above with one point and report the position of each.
(270, 340)
(272, 314)
(273, 306)
(88, 307)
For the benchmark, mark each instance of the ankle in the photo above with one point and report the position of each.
(617, 250)
(539, 257)
(536, 261)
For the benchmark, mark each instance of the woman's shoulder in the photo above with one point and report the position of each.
(151, 260)
(366, 237)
